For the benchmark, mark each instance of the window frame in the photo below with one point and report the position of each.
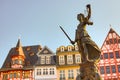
(61, 59)
(69, 59)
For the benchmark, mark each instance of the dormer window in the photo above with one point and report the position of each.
(31, 53)
(7, 64)
(28, 48)
(62, 49)
(28, 63)
(76, 47)
(17, 49)
(69, 48)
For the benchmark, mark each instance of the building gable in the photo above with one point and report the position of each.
(45, 51)
(112, 41)
(46, 57)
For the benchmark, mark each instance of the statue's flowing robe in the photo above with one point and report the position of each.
(82, 37)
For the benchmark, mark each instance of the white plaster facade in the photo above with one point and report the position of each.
(43, 76)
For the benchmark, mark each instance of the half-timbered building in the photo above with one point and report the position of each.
(109, 64)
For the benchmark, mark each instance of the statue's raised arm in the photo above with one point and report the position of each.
(89, 11)
(87, 18)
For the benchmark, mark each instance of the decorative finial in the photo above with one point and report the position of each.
(19, 36)
(110, 26)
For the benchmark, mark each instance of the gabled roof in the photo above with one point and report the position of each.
(108, 37)
(46, 52)
(30, 60)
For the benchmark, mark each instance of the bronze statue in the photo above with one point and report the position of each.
(88, 49)
(90, 53)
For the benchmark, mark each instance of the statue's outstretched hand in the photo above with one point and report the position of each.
(88, 5)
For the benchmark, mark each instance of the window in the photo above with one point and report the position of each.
(5, 77)
(118, 68)
(14, 75)
(38, 71)
(70, 59)
(111, 41)
(45, 71)
(42, 59)
(115, 40)
(16, 61)
(28, 63)
(117, 54)
(113, 69)
(11, 75)
(111, 55)
(28, 48)
(108, 69)
(18, 75)
(107, 42)
(62, 75)
(31, 53)
(20, 62)
(70, 74)
(106, 55)
(77, 58)
(17, 49)
(48, 60)
(76, 47)
(26, 74)
(102, 70)
(62, 49)
(69, 48)
(61, 60)
(7, 64)
(52, 71)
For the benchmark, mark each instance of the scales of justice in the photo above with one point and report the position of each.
(90, 52)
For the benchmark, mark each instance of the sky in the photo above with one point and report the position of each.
(37, 22)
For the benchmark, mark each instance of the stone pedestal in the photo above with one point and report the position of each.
(89, 71)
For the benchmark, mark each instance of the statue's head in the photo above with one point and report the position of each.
(80, 17)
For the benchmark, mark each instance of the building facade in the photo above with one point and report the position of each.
(109, 64)
(19, 63)
(68, 60)
(45, 67)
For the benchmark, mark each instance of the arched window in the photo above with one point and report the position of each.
(62, 49)
(69, 48)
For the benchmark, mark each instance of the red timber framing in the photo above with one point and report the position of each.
(109, 64)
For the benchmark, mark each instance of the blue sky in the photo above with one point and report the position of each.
(38, 21)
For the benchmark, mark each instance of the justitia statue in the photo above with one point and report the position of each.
(90, 53)
(88, 49)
